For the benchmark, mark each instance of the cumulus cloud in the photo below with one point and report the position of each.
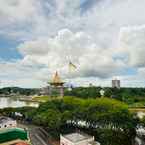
(80, 48)
(132, 40)
(98, 36)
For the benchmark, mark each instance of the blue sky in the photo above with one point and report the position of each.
(105, 39)
(8, 49)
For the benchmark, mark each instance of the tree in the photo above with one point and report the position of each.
(102, 115)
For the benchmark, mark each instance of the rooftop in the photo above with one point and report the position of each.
(56, 80)
(21, 143)
(13, 134)
(94, 143)
(4, 119)
(76, 137)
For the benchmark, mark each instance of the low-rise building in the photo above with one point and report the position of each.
(6, 122)
(77, 139)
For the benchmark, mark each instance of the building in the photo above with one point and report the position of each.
(56, 86)
(77, 139)
(116, 83)
(6, 122)
(14, 136)
(44, 91)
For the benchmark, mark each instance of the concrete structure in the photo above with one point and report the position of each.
(56, 87)
(77, 139)
(116, 83)
(6, 122)
(44, 91)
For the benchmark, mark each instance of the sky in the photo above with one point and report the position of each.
(105, 39)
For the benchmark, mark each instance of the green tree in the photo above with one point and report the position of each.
(108, 117)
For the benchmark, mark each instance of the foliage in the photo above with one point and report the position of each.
(142, 121)
(41, 98)
(16, 90)
(107, 117)
(127, 95)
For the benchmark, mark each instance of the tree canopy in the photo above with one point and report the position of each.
(130, 96)
(102, 117)
(107, 119)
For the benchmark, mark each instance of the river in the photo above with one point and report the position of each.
(15, 102)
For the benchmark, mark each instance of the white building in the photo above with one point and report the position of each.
(6, 122)
(116, 83)
(77, 139)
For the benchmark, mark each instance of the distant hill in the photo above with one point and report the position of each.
(17, 90)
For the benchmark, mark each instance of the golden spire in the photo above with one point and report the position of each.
(56, 78)
(56, 81)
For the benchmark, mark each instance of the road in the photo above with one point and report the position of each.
(38, 136)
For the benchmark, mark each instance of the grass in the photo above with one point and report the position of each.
(138, 104)
(41, 98)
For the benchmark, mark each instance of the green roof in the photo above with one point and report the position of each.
(13, 134)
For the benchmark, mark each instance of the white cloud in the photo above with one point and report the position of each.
(55, 31)
(132, 40)
(17, 9)
(17, 73)
(80, 48)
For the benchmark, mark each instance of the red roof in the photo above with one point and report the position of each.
(21, 143)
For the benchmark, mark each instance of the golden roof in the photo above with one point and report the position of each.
(56, 80)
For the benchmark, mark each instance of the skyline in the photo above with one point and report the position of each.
(103, 38)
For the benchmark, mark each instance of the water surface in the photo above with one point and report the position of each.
(15, 102)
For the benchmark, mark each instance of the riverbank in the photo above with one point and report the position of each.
(13, 102)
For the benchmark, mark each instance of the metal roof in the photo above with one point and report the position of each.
(21, 143)
(4, 119)
(77, 137)
(13, 134)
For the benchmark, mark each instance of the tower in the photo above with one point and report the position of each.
(56, 86)
(116, 83)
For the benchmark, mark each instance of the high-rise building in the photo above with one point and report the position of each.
(116, 83)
